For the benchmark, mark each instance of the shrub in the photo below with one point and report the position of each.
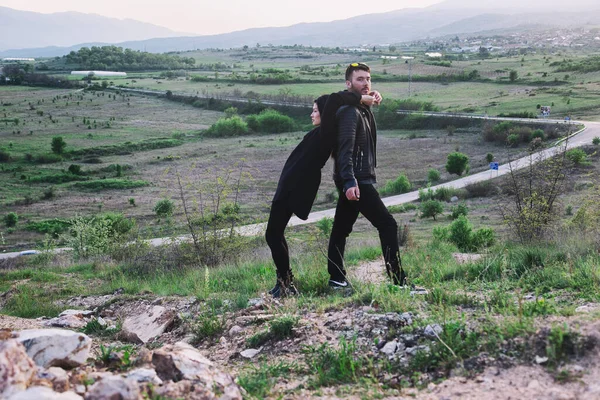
(596, 140)
(113, 183)
(433, 175)
(75, 169)
(431, 208)
(457, 163)
(270, 121)
(460, 233)
(164, 208)
(325, 225)
(513, 140)
(52, 227)
(489, 157)
(577, 156)
(4, 156)
(58, 145)
(538, 133)
(484, 237)
(48, 158)
(459, 209)
(11, 219)
(97, 235)
(481, 189)
(399, 185)
(226, 127)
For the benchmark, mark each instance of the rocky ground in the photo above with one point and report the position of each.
(148, 347)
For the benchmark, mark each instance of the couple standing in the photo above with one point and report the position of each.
(345, 129)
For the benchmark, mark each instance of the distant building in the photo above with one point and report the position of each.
(389, 57)
(18, 59)
(98, 73)
(434, 55)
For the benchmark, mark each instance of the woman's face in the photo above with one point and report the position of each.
(316, 115)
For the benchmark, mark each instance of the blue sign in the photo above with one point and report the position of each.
(494, 166)
(567, 118)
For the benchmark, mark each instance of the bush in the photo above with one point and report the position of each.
(48, 158)
(4, 156)
(75, 169)
(97, 235)
(113, 183)
(513, 140)
(400, 185)
(11, 219)
(58, 145)
(596, 140)
(52, 227)
(164, 208)
(270, 121)
(459, 209)
(577, 156)
(433, 175)
(481, 189)
(538, 133)
(489, 157)
(460, 232)
(457, 163)
(431, 208)
(226, 127)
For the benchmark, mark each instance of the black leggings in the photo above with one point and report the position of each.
(346, 213)
(278, 219)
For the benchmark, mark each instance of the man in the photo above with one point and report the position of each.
(354, 176)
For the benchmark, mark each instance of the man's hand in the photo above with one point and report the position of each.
(376, 97)
(353, 194)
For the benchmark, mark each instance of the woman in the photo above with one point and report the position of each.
(301, 177)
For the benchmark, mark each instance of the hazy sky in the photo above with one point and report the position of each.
(219, 16)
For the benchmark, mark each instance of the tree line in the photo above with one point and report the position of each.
(117, 58)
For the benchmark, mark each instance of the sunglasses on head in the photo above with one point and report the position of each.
(359, 64)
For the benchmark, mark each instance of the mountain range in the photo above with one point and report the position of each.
(451, 17)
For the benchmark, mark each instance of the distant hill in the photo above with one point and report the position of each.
(452, 17)
(25, 29)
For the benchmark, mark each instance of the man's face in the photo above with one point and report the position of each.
(360, 82)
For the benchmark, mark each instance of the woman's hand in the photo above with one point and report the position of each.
(376, 97)
(367, 100)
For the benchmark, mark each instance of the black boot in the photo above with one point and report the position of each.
(284, 287)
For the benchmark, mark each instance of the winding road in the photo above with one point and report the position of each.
(579, 138)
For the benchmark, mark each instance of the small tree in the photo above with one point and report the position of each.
(457, 163)
(58, 145)
(513, 75)
(431, 208)
(489, 157)
(11, 219)
(164, 208)
(433, 175)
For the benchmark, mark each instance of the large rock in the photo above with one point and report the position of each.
(58, 377)
(17, 370)
(56, 347)
(182, 362)
(113, 387)
(147, 322)
(67, 321)
(44, 393)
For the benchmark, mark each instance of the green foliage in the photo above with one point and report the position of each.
(226, 127)
(52, 227)
(398, 186)
(270, 121)
(11, 219)
(459, 209)
(513, 140)
(208, 325)
(94, 327)
(117, 58)
(4, 156)
(334, 366)
(98, 235)
(460, 233)
(457, 163)
(282, 327)
(431, 208)
(596, 141)
(75, 169)
(258, 380)
(110, 184)
(47, 158)
(538, 133)
(164, 208)
(588, 64)
(325, 225)
(577, 156)
(433, 175)
(513, 75)
(58, 145)
(127, 147)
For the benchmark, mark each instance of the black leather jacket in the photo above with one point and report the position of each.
(355, 149)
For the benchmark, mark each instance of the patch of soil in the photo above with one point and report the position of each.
(19, 324)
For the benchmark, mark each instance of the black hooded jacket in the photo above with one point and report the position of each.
(301, 175)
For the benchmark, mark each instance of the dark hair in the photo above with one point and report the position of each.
(357, 66)
(320, 102)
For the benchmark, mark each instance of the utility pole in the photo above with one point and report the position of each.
(409, 60)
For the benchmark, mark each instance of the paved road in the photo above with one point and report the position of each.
(583, 137)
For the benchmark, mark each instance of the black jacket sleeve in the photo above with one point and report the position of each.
(328, 119)
(347, 119)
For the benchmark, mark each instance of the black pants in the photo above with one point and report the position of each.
(278, 219)
(346, 213)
